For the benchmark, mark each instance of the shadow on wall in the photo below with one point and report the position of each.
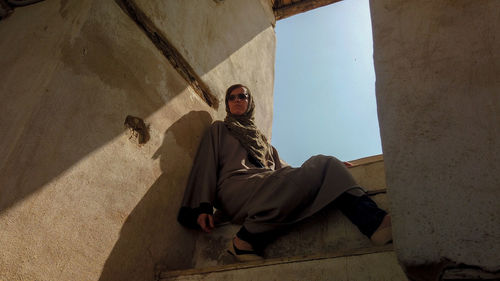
(141, 245)
(76, 100)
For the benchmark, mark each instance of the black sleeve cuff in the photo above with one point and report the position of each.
(188, 216)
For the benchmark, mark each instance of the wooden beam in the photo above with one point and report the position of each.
(300, 7)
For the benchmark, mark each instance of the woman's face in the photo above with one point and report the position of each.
(238, 101)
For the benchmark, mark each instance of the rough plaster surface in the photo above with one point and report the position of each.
(78, 199)
(437, 66)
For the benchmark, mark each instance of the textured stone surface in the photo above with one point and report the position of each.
(78, 199)
(437, 66)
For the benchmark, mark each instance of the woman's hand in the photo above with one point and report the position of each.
(206, 222)
(348, 164)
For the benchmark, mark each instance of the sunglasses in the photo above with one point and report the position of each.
(239, 96)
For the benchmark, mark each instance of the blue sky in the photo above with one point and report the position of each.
(324, 92)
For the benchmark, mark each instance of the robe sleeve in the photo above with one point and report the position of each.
(201, 188)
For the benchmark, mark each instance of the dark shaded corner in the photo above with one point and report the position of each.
(448, 270)
(151, 239)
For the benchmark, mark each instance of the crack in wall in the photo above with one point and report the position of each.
(169, 51)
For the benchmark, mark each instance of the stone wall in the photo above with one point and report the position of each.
(79, 198)
(438, 66)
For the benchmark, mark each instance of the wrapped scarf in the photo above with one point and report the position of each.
(243, 128)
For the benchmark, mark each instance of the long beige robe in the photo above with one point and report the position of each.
(262, 199)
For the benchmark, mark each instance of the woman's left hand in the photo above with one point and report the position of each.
(348, 164)
(206, 222)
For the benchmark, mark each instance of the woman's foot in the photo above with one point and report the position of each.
(242, 250)
(242, 244)
(383, 234)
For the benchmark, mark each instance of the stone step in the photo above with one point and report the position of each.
(369, 172)
(327, 231)
(373, 263)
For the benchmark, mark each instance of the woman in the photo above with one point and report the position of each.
(239, 173)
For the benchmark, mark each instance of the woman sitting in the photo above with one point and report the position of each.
(238, 172)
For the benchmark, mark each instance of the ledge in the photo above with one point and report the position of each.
(276, 261)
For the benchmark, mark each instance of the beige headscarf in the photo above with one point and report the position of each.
(244, 129)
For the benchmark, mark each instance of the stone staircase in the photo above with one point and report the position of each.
(325, 247)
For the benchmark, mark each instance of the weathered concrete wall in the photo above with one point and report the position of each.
(438, 66)
(78, 199)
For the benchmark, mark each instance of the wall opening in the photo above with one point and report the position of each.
(324, 91)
